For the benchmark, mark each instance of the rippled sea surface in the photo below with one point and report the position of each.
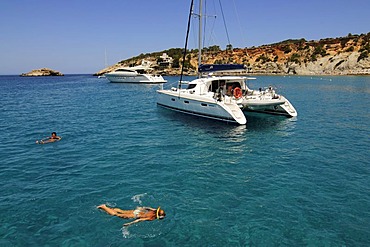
(303, 181)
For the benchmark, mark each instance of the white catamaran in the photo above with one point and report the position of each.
(225, 98)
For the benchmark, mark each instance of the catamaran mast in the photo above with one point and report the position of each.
(200, 16)
(186, 45)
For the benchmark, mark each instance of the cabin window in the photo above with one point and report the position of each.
(191, 86)
(213, 87)
(173, 99)
(216, 85)
(186, 102)
(233, 84)
(203, 104)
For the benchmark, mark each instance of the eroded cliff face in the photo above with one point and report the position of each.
(346, 63)
(334, 56)
(340, 56)
(340, 64)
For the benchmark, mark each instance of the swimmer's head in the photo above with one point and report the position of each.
(160, 213)
(54, 133)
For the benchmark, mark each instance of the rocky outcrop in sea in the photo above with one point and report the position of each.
(42, 72)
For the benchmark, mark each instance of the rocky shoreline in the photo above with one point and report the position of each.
(332, 56)
(42, 72)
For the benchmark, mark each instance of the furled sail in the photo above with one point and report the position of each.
(208, 68)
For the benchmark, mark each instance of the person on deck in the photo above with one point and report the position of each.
(229, 91)
(139, 214)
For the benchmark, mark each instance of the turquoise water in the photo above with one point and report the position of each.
(274, 182)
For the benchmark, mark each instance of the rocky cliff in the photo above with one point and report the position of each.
(332, 56)
(42, 72)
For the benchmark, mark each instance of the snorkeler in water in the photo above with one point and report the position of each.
(139, 214)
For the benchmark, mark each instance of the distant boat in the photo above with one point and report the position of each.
(225, 98)
(136, 74)
(105, 63)
(105, 58)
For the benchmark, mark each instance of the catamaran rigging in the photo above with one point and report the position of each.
(225, 98)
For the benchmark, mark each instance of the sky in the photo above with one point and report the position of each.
(82, 36)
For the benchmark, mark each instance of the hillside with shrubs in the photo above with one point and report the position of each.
(331, 56)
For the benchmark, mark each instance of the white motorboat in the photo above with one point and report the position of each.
(225, 98)
(136, 74)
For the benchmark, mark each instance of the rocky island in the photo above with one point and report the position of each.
(42, 72)
(331, 56)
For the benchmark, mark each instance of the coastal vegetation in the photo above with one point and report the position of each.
(331, 56)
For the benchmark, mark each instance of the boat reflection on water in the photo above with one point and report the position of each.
(264, 122)
(257, 123)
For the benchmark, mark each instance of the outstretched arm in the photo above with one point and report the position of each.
(135, 221)
(42, 141)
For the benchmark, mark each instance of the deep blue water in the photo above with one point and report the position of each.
(274, 182)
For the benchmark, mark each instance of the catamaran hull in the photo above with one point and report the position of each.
(276, 107)
(201, 108)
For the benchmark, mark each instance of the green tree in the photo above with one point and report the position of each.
(229, 47)
(295, 58)
(363, 55)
